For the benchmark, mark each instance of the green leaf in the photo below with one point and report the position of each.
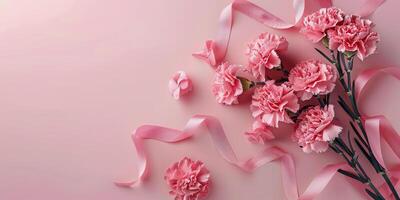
(372, 195)
(363, 151)
(343, 145)
(358, 134)
(325, 42)
(246, 84)
(327, 97)
(349, 54)
(352, 175)
(346, 108)
(325, 56)
(350, 143)
(353, 90)
(334, 148)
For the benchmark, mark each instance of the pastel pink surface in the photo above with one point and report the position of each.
(78, 76)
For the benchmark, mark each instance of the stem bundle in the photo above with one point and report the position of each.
(344, 66)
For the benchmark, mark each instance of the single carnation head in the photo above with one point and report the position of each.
(316, 24)
(271, 102)
(315, 129)
(227, 87)
(188, 179)
(312, 77)
(263, 54)
(355, 35)
(260, 133)
(180, 84)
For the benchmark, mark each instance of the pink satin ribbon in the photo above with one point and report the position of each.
(213, 54)
(215, 50)
(369, 7)
(378, 127)
(224, 148)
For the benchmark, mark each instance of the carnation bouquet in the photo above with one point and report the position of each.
(301, 95)
(307, 95)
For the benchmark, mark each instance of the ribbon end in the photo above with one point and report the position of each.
(207, 54)
(128, 184)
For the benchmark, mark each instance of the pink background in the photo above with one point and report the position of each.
(76, 77)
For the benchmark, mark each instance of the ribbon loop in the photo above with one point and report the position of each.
(215, 50)
(218, 137)
(378, 127)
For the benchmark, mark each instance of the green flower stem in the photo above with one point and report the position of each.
(350, 93)
(354, 113)
(349, 155)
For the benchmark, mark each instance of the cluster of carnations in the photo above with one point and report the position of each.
(300, 94)
(280, 100)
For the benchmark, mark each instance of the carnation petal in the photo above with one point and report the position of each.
(314, 36)
(331, 132)
(316, 24)
(179, 84)
(273, 60)
(260, 133)
(319, 146)
(306, 96)
(262, 54)
(314, 129)
(271, 102)
(227, 87)
(307, 148)
(188, 179)
(312, 77)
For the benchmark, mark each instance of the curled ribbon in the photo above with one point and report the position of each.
(224, 148)
(215, 50)
(213, 54)
(378, 127)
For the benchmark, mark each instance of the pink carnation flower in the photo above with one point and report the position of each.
(260, 133)
(263, 54)
(316, 129)
(188, 180)
(180, 84)
(316, 24)
(227, 87)
(354, 35)
(270, 103)
(312, 77)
